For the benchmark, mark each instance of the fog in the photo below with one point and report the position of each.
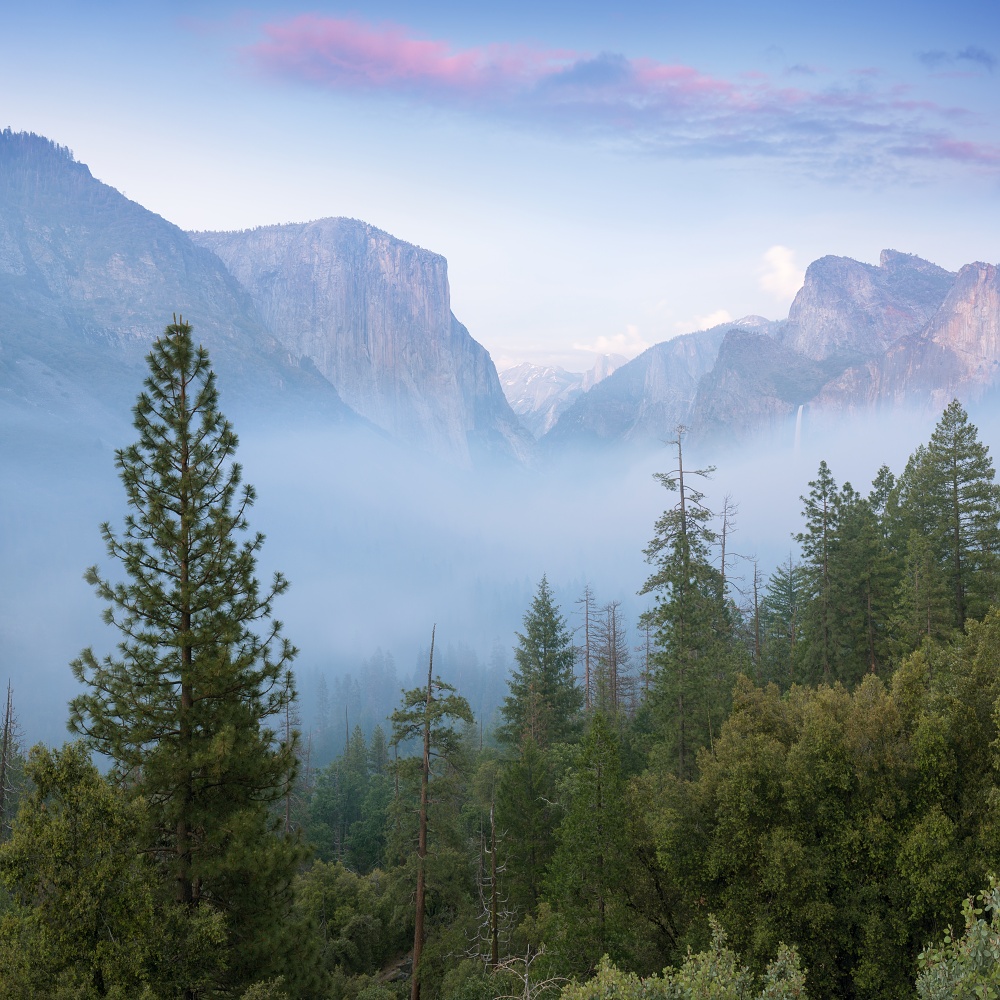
(380, 543)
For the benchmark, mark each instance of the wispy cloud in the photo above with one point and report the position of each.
(666, 109)
(630, 343)
(780, 275)
(705, 322)
(937, 59)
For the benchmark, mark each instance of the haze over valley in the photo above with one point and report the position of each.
(398, 486)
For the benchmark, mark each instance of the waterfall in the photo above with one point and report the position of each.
(798, 428)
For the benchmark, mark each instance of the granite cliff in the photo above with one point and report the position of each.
(859, 339)
(644, 400)
(374, 315)
(89, 279)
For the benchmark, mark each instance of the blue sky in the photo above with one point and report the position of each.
(599, 177)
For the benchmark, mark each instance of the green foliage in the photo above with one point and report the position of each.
(695, 659)
(544, 700)
(527, 814)
(355, 916)
(714, 974)
(86, 920)
(586, 877)
(849, 823)
(966, 967)
(948, 495)
(781, 624)
(183, 711)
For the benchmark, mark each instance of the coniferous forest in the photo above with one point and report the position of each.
(784, 789)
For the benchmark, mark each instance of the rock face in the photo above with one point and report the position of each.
(374, 315)
(755, 385)
(847, 312)
(89, 279)
(646, 399)
(859, 339)
(538, 394)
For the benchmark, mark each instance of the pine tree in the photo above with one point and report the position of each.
(586, 878)
(862, 588)
(184, 711)
(781, 624)
(544, 700)
(429, 714)
(951, 497)
(526, 812)
(695, 658)
(819, 624)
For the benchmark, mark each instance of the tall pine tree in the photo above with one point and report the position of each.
(695, 659)
(950, 496)
(185, 709)
(545, 700)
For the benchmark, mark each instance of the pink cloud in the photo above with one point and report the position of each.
(942, 148)
(340, 53)
(670, 108)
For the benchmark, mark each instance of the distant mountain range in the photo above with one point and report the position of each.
(335, 321)
(859, 339)
(329, 322)
(539, 394)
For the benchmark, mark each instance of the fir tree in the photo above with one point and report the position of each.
(544, 700)
(781, 624)
(185, 709)
(951, 498)
(527, 814)
(819, 618)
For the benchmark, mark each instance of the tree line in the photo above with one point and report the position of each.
(788, 787)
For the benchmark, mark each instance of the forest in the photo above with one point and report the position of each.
(790, 788)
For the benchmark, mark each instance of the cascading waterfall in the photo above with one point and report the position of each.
(798, 427)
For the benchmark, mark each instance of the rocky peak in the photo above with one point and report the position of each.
(847, 311)
(539, 394)
(373, 313)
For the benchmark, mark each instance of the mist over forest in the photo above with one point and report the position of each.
(381, 542)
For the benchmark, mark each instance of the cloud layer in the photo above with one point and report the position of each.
(661, 108)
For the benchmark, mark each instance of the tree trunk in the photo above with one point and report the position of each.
(418, 922)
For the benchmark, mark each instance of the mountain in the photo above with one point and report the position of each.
(331, 321)
(859, 339)
(847, 311)
(373, 314)
(539, 394)
(645, 399)
(89, 279)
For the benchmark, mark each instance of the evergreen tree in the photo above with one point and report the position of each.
(527, 814)
(184, 710)
(950, 496)
(819, 619)
(544, 700)
(924, 608)
(695, 659)
(862, 588)
(587, 876)
(781, 624)
(429, 714)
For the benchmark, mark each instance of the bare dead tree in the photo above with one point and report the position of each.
(496, 919)
(520, 969)
(587, 610)
(614, 683)
(10, 747)
(645, 650)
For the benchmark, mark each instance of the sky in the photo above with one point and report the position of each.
(601, 177)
